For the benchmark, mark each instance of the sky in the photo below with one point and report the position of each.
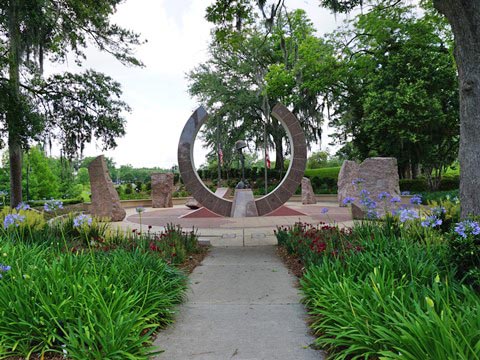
(177, 37)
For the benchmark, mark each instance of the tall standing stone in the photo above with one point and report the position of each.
(379, 174)
(162, 189)
(105, 200)
(348, 172)
(308, 196)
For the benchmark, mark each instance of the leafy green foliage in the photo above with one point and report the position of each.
(376, 291)
(71, 108)
(464, 253)
(73, 284)
(93, 306)
(252, 70)
(397, 93)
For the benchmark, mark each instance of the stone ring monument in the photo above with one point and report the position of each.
(265, 204)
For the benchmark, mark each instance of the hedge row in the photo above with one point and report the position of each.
(324, 180)
(419, 185)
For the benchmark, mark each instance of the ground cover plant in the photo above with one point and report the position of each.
(399, 288)
(74, 286)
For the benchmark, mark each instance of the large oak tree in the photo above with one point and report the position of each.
(69, 107)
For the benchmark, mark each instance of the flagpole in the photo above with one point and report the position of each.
(219, 157)
(265, 154)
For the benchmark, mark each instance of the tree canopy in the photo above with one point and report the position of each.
(249, 72)
(396, 92)
(464, 17)
(69, 107)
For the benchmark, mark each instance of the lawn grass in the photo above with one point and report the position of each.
(331, 172)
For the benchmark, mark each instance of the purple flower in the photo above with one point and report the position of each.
(467, 227)
(364, 192)
(5, 268)
(372, 214)
(408, 214)
(431, 221)
(348, 200)
(358, 181)
(405, 193)
(23, 206)
(139, 209)
(324, 210)
(368, 203)
(82, 220)
(416, 199)
(53, 205)
(395, 199)
(438, 211)
(384, 195)
(12, 219)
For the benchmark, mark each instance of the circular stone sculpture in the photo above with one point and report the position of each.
(265, 204)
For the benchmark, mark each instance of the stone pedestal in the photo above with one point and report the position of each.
(378, 175)
(105, 200)
(162, 189)
(308, 196)
(244, 204)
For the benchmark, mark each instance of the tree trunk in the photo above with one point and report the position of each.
(279, 159)
(14, 111)
(464, 17)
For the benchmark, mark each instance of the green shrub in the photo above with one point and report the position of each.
(449, 183)
(439, 196)
(93, 306)
(324, 180)
(413, 185)
(40, 203)
(29, 220)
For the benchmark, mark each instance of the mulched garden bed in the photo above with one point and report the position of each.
(292, 262)
(195, 259)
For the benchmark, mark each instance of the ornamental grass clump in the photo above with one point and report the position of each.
(88, 305)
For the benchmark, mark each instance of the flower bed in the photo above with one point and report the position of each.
(391, 289)
(74, 286)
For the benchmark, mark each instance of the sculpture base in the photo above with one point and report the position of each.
(244, 204)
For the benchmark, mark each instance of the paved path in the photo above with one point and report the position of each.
(242, 305)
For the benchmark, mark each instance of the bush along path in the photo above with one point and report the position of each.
(73, 288)
(242, 305)
(404, 287)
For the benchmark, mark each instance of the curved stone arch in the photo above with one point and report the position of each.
(265, 204)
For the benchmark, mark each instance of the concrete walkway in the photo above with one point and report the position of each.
(242, 304)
